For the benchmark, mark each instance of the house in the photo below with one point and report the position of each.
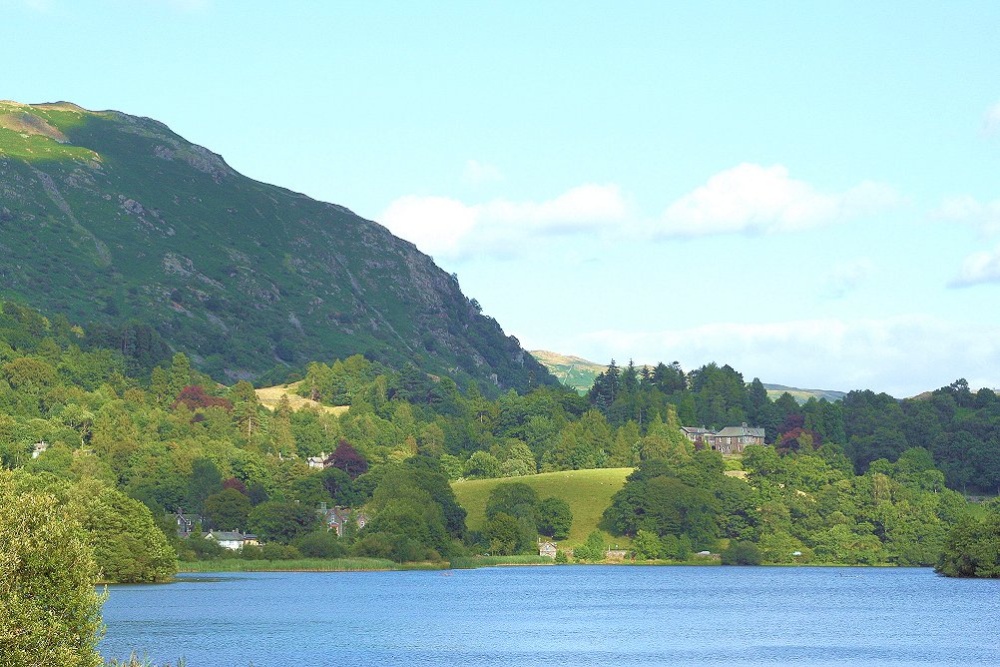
(226, 539)
(730, 440)
(39, 449)
(696, 434)
(733, 439)
(232, 540)
(339, 518)
(547, 548)
(318, 461)
(185, 523)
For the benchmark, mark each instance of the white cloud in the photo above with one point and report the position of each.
(978, 268)
(845, 277)
(481, 173)
(902, 356)
(436, 225)
(991, 121)
(448, 228)
(750, 198)
(969, 210)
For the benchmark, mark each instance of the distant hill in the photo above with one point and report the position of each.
(579, 374)
(111, 219)
(573, 372)
(803, 395)
(588, 493)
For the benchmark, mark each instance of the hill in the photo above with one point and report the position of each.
(802, 395)
(588, 493)
(579, 374)
(111, 219)
(574, 372)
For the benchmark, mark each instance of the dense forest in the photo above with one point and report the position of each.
(126, 442)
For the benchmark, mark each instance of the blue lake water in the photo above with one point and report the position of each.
(574, 615)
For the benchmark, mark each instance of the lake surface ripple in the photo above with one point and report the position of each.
(573, 615)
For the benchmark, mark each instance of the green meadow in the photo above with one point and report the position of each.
(588, 493)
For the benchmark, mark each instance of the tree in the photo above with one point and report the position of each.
(482, 465)
(593, 549)
(741, 553)
(516, 499)
(348, 459)
(554, 518)
(50, 612)
(647, 545)
(128, 547)
(280, 521)
(227, 510)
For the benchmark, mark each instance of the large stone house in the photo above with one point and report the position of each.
(730, 440)
(338, 518)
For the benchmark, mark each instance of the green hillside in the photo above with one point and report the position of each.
(774, 391)
(573, 372)
(588, 493)
(108, 218)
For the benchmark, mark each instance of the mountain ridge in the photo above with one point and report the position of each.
(115, 219)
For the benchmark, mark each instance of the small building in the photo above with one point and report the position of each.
(226, 539)
(547, 548)
(39, 449)
(318, 461)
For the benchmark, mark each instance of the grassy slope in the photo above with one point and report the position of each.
(588, 493)
(573, 372)
(270, 397)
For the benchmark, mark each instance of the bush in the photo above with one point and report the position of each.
(320, 544)
(741, 553)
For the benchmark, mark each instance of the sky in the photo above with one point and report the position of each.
(808, 192)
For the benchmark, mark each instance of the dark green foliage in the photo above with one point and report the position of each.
(282, 521)
(973, 547)
(320, 544)
(554, 518)
(227, 510)
(416, 516)
(741, 553)
(515, 499)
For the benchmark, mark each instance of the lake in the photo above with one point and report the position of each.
(571, 615)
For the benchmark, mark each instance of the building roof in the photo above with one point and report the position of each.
(744, 430)
(224, 536)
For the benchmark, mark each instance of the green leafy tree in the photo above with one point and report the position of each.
(282, 521)
(741, 553)
(647, 545)
(554, 518)
(227, 510)
(50, 612)
(128, 546)
(593, 549)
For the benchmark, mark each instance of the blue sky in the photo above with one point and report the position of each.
(809, 193)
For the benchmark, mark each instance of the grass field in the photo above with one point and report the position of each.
(269, 397)
(588, 493)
